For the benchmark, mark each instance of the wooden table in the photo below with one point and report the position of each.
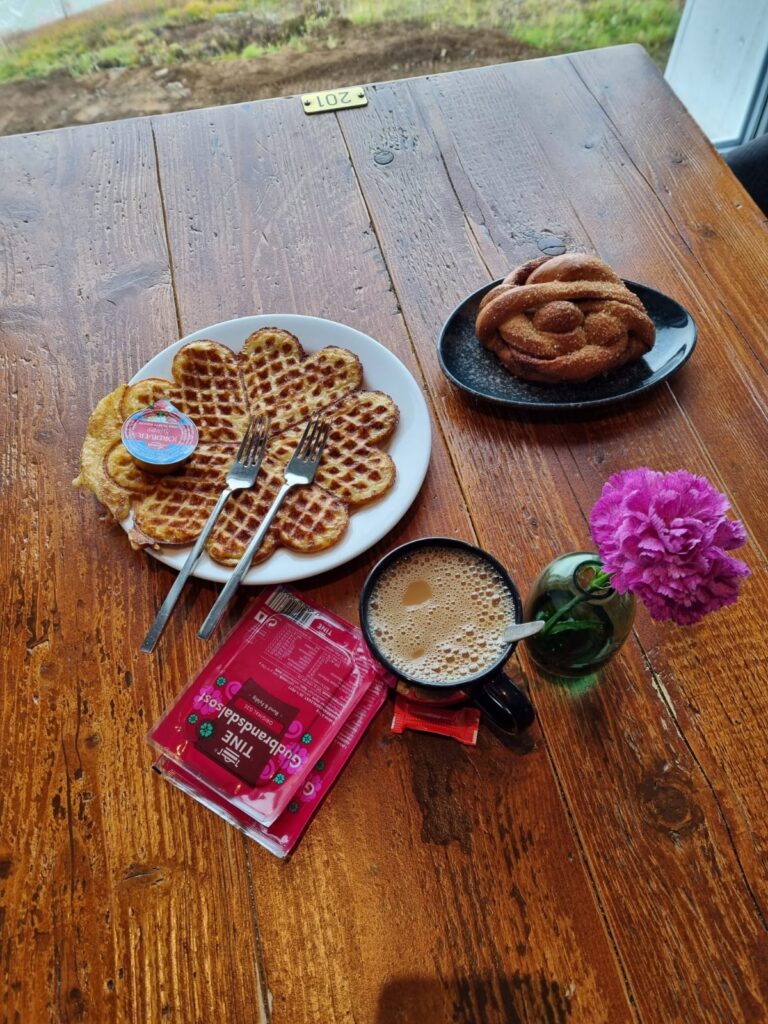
(608, 866)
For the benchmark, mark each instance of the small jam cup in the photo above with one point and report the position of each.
(160, 439)
(495, 694)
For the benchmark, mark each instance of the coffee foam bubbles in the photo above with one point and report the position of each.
(439, 614)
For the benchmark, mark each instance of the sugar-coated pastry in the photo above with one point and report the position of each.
(564, 318)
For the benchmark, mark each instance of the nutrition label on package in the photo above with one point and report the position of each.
(302, 663)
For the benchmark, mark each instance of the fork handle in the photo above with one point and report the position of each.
(242, 567)
(178, 585)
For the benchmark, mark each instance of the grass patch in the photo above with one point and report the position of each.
(585, 26)
(126, 33)
(553, 26)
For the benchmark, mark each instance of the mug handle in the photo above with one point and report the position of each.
(504, 703)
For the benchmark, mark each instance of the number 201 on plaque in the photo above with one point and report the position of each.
(336, 99)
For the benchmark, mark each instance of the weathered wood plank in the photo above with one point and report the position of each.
(714, 215)
(463, 890)
(609, 193)
(625, 735)
(727, 419)
(113, 905)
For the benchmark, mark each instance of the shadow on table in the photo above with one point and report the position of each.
(484, 999)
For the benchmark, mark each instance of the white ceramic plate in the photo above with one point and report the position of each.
(410, 446)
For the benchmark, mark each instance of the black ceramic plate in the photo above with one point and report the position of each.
(477, 371)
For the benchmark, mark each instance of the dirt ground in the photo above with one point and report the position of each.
(359, 55)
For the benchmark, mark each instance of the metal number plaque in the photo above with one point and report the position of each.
(336, 99)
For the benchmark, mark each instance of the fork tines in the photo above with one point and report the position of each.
(253, 440)
(314, 438)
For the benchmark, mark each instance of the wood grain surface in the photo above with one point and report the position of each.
(438, 148)
(608, 866)
(323, 224)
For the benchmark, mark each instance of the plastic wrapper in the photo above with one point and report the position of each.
(267, 705)
(282, 835)
(460, 724)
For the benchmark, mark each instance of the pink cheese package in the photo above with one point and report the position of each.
(282, 836)
(267, 706)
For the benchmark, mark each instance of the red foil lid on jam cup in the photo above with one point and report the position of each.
(160, 438)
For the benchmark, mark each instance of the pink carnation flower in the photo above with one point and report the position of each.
(663, 536)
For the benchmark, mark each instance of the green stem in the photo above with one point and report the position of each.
(599, 581)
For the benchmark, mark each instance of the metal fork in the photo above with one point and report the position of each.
(299, 472)
(242, 474)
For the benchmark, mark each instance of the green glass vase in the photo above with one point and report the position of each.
(586, 635)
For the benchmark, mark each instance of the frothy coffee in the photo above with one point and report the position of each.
(439, 614)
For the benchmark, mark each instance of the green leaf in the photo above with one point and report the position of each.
(573, 626)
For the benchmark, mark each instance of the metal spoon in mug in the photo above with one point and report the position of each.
(520, 630)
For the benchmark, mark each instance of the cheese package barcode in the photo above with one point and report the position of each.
(292, 607)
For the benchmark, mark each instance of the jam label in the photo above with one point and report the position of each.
(160, 435)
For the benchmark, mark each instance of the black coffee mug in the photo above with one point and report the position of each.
(493, 692)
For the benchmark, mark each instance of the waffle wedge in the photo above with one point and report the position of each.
(286, 384)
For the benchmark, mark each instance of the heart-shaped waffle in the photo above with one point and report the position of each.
(219, 389)
(284, 383)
